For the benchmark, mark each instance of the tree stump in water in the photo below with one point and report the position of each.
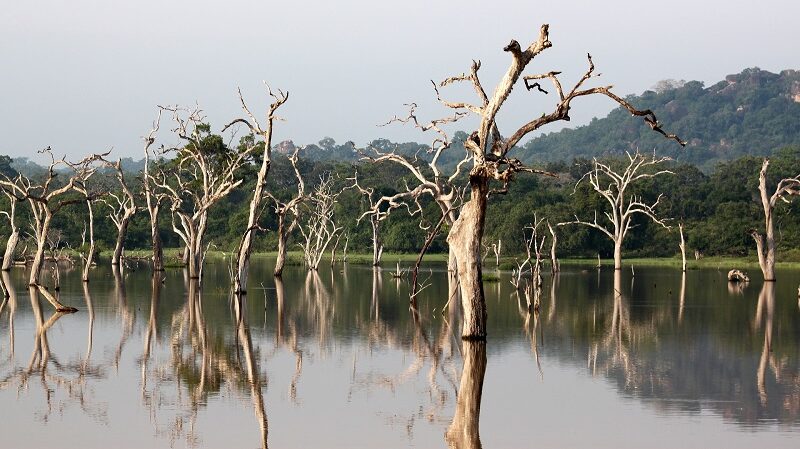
(737, 276)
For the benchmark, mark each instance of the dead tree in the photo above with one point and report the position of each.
(45, 200)
(378, 211)
(83, 171)
(246, 244)
(288, 210)
(205, 172)
(555, 266)
(153, 198)
(319, 227)
(123, 208)
(11, 214)
(427, 177)
(613, 187)
(765, 244)
(682, 246)
(490, 161)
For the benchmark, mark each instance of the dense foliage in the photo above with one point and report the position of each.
(717, 209)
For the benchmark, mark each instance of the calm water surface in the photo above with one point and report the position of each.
(337, 360)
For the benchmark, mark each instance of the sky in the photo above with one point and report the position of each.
(85, 76)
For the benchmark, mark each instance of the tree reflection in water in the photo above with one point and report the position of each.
(463, 432)
(678, 355)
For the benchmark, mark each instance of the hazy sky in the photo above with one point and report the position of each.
(86, 75)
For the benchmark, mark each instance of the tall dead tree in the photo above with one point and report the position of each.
(11, 214)
(490, 161)
(765, 243)
(288, 210)
(265, 132)
(84, 170)
(205, 172)
(613, 187)
(319, 227)
(153, 198)
(123, 208)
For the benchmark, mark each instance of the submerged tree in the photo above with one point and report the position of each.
(765, 244)
(204, 173)
(613, 186)
(490, 161)
(45, 199)
(123, 208)
(11, 214)
(246, 244)
(285, 211)
(319, 227)
(154, 199)
(427, 177)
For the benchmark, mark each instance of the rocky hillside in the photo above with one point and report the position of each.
(754, 112)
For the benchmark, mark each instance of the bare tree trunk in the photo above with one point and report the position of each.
(618, 254)
(13, 239)
(90, 253)
(282, 236)
(377, 245)
(11, 247)
(465, 241)
(41, 240)
(246, 244)
(120, 243)
(555, 267)
(463, 432)
(158, 251)
(683, 247)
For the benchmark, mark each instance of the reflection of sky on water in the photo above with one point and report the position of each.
(340, 361)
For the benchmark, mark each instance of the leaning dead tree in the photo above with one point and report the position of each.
(154, 199)
(319, 227)
(204, 173)
(288, 210)
(765, 243)
(122, 207)
(613, 186)
(11, 214)
(489, 151)
(265, 132)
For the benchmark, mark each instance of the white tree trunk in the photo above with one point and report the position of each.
(90, 253)
(682, 247)
(465, 242)
(377, 245)
(11, 247)
(122, 231)
(618, 254)
(41, 240)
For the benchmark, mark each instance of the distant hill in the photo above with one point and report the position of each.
(754, 112)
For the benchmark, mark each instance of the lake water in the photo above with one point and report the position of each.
(337, 360)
